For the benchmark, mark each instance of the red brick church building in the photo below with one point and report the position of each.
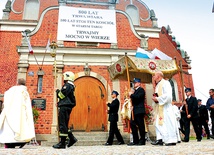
(132, 24)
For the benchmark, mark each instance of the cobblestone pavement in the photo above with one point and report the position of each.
(205, 147)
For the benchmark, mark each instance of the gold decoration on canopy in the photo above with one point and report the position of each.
(141, 68)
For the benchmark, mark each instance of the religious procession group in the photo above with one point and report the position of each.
(170, 118)
(17, 126)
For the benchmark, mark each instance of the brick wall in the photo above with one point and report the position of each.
(8, 59)
(126, 40)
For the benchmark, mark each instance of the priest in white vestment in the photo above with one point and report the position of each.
(165, 122)
(16, 119)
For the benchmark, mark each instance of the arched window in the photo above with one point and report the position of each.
(173, 89)
(40, 81)
(133, 12)
(40, 74)
(31, 10)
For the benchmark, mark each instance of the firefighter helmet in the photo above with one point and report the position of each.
(68, 76)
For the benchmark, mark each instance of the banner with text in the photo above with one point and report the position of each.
(86, 25)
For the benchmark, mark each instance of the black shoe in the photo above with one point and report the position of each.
(179, 142)
(60, 145)
(107, 144)
(212, 136)
(198, 140)
(170, 144)
(10, 145)
(131, 144)
(120, 143)
(22, 145)
(157, 142)
(141, 143)
(72, 140)
(208, 137)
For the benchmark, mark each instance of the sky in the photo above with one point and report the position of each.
(192, 24)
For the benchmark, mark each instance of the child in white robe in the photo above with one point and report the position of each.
(177, 117)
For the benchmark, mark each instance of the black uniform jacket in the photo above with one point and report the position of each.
(203, 112)
(138, 98)
(113, 110)
(69, 99)
(192, 107)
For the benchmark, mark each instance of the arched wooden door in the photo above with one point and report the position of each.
(89, 114)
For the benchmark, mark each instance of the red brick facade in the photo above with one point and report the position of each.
(11, 41)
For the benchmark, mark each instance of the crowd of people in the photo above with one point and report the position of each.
(192, 110)
(170, 118)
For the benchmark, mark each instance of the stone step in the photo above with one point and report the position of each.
(90, 138)
(84, 139)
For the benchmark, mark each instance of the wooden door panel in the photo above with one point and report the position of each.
(96, 105)
(89, 113)
(79, 115)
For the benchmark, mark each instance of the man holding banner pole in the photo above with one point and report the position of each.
(137, 122)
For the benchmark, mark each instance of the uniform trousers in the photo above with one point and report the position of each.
(64, 116)
(203, 122)
(195, 126)
(114, 131)
(138, 124)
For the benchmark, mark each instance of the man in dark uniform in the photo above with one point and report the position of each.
(183, 119)
(66, 102)
(113, 118)
(137, 118)
(203, 118)
(192, 115)
(210, 107)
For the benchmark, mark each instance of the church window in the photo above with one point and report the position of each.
(173, 89)
(133, 12)
(40, 80)
(31, 10)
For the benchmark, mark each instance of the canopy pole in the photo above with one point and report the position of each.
(128, 78)
(182, 85)
(127, 71)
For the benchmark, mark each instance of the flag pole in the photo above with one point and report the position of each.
(30, 47)
(46, 49)
(182, 85)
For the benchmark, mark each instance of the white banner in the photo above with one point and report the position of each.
(86, 25)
